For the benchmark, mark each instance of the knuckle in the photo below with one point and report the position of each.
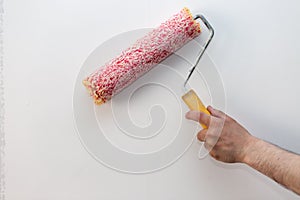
(201, 134)
(229, 119)
(202, 117)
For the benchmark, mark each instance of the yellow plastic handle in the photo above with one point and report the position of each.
(194, 103)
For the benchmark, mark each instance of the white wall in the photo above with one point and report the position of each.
(255, 49)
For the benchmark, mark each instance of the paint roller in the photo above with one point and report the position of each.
(144, 54)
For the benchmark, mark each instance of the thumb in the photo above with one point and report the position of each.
(216, 113)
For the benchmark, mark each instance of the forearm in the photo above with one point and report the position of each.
(235, 144)
(276, 163)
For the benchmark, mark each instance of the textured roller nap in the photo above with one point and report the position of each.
(142, 56)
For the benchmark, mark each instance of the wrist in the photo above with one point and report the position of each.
(250, 147)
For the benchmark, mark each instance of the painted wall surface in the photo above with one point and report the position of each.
(255, 51)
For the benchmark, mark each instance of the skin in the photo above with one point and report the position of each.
(229, 142)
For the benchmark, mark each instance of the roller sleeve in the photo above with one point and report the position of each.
(142, 56)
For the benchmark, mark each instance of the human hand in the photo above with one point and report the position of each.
(225, 139)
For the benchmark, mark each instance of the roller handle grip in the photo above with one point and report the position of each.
(194, 103)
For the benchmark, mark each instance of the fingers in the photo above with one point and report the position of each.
(197, 116)
(201, 135)
(209, 142)
(215, 112)
(214, 155)
(193, 115)
(208, 146)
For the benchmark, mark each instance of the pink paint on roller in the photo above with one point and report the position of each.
(142, 56)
